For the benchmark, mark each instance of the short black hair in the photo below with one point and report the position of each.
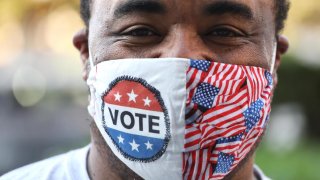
(281, 12)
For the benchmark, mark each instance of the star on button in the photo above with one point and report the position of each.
(132, 96)
(117, 97)
(147, 101)
(134, 146)
(121, 139)
(149, 145)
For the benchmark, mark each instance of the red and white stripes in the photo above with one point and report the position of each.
(239, 87)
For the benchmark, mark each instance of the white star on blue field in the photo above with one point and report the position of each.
(136, 146)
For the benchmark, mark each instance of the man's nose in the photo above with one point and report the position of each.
(185, 43)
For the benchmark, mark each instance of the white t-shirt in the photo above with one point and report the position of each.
(68, 166)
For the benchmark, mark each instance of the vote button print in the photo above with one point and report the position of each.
(136, 119)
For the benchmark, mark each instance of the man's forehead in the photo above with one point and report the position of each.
(190, 1)
(113, 5)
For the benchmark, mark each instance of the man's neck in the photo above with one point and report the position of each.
(246, 171)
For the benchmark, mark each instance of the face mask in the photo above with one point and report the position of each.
(178, 118)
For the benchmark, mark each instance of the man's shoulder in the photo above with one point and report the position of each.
(68, 166)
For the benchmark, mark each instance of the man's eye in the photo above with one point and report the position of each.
(140, 32)
(225, 32)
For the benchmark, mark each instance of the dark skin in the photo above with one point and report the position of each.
(233, 31)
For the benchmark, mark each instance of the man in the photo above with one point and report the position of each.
(241, 32)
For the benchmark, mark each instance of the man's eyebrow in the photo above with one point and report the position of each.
(223, 7)
(146, 6)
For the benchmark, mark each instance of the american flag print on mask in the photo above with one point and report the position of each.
(226, 112)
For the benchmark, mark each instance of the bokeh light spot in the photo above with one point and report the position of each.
(28, 86)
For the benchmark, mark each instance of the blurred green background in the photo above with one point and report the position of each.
(43, 98)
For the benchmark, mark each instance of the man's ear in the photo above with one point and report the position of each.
(282, 48)
(80, 41)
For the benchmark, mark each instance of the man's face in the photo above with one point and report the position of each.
(229, 31)
(233, 31)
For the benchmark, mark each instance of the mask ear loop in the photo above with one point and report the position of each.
(274, 56)
(91, 106)
(91, 60)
